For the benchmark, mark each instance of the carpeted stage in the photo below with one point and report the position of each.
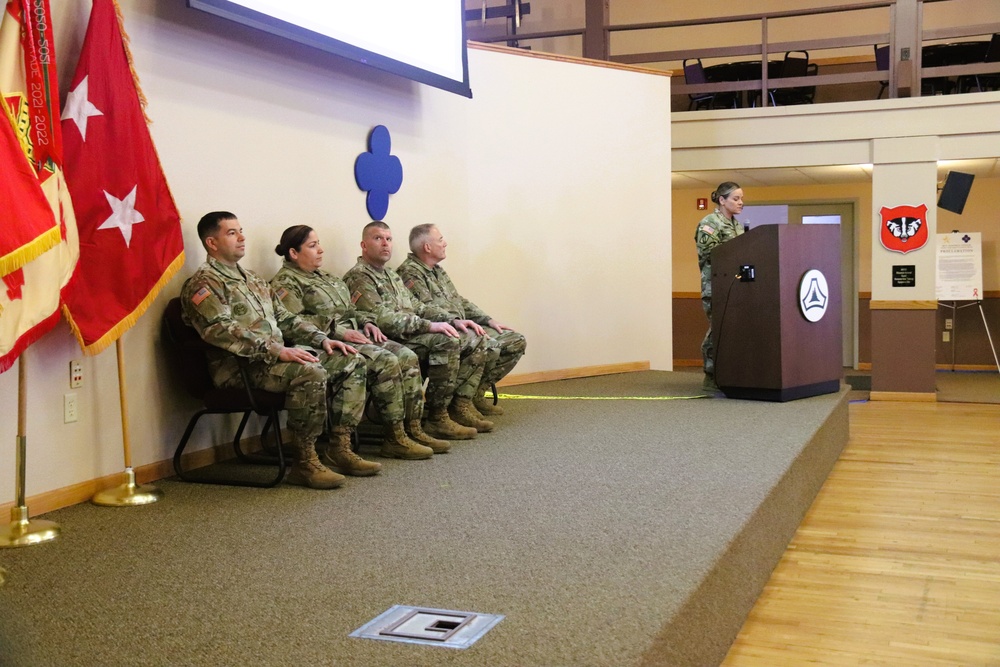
(607, 532)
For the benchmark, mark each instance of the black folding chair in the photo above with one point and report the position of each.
(795, 66)
(882, 65)
(187, 353)
(983, 82)
(694, 74)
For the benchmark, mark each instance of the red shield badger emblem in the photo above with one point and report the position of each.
(904, 228)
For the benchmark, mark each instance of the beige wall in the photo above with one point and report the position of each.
(536, 182)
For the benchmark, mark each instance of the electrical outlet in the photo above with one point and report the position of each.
(70, 408)
(948, 324)
(75, 374)
(946, 336)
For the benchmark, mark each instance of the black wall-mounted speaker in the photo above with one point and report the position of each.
(955, 191)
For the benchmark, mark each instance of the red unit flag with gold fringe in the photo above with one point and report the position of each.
(130, 235)
(38, 242)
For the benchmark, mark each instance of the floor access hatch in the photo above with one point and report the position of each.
(433, 627)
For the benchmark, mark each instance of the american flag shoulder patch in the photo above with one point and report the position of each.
(356, 296)
(409, 283)
(708, 230)
(281, 293)
(200, 295)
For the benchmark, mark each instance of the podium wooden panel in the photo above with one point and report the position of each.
(765, 347)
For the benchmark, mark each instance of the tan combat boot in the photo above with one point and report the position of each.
(417, 435)
(341, 458)
(485, 406)
(440, 425)
(484, 400)
(464, 412)
(396, 445)
(306, 470)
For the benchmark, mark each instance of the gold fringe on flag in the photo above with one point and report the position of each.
(14, 260)
(131, 64)
(126, 323)
(138, 88)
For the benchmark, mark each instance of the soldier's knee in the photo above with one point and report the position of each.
(385, 363)
(447, 344)
(312, 373)
(407, 358)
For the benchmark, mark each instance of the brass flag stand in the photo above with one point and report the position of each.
(21, 532)
(127, 494)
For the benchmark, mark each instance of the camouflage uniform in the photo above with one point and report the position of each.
(713, 229)
(455, 366)
(233, 309)
(433, 288)
(393, 369)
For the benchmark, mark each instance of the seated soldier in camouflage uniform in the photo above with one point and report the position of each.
(423, 276)
(393, 369)
(233, 309)
(454, 367)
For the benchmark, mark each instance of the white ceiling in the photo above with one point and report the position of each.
(854, 173)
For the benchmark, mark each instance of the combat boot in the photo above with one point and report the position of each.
(341, 458)
(464, 412)
(485, 405)
(417, 435)
(440, 425)
(396, 445)
(306, 470)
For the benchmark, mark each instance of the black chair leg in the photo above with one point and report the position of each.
(200, 479)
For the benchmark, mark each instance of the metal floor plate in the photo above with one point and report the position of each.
(431, 627)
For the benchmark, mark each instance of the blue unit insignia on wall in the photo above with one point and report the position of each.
(378, 172)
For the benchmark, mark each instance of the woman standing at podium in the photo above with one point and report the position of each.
(715, 228)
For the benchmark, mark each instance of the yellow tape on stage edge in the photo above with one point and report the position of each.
(601, 398)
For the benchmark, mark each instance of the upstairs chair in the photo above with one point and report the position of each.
(882, 65)
(794, 66)
(186, 352)
(694, 74)
(983, 82)
(935, 55)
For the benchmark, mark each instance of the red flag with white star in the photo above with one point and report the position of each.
(130, 235)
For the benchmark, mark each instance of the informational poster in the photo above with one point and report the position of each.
(960, 266)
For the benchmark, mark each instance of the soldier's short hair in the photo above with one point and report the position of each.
(209, 223)
(292, 239)
(418, 236)
(373, 223)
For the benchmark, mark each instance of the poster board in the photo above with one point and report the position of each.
(960, 266)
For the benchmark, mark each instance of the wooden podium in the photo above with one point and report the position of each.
(767, 346)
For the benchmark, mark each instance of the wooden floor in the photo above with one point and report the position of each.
(897, 562)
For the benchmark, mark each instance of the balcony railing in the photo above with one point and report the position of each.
(902, 77)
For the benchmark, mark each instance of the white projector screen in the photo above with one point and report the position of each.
(423, 40)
